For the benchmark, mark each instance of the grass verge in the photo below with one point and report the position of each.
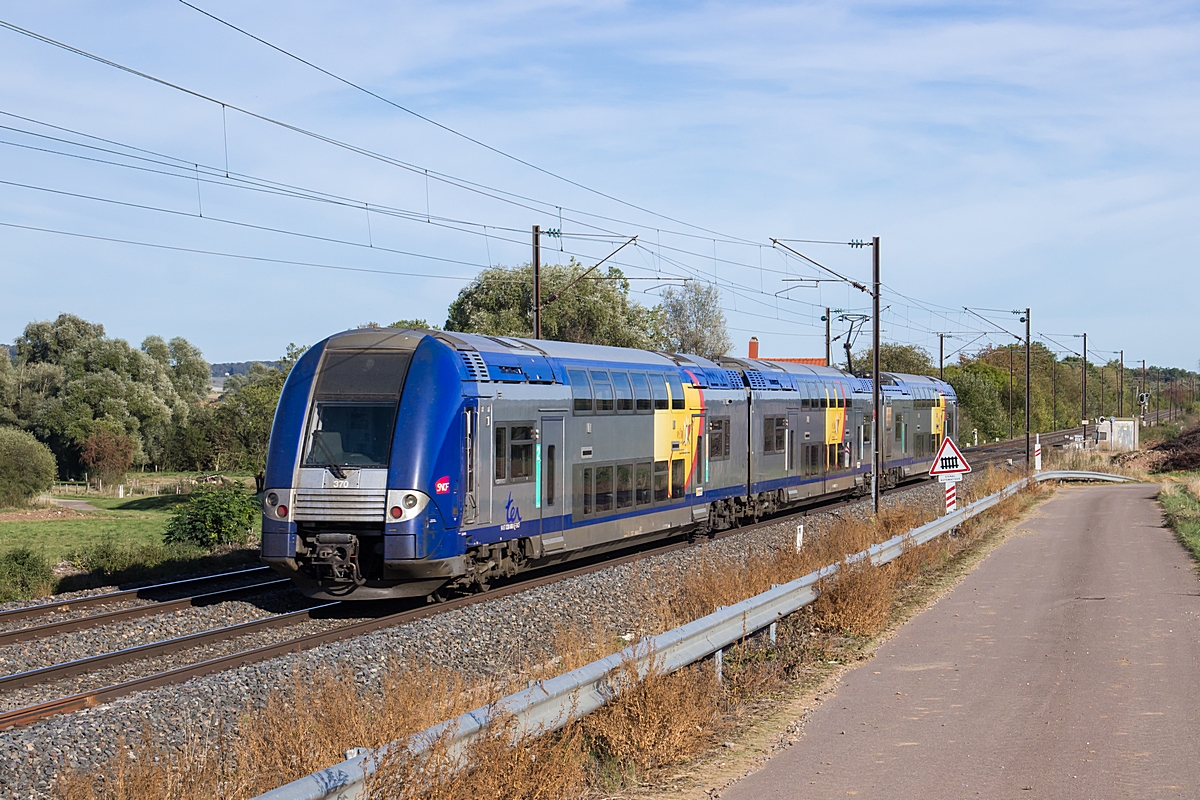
(1181, 506)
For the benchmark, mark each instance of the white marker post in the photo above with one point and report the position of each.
(1037, 453)
(949, 466)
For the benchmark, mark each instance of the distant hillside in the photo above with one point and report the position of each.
(236, 367)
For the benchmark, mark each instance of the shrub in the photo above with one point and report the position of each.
(213, 517)
(27, 467)
(24, 574)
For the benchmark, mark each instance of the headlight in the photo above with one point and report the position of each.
(410, 501)
(272, 499)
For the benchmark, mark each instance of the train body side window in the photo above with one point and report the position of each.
(641, 393)
(604, 490)
(677, 399)
(659, 385)
(774, 434)
(624, 392)
(718, 439)
(661, 488)
(551, 457)
(520, 448)
(587, 491)
(582, 390)
(804, 404)
(678, 477)
(643, 495)
(625, 486)
(602, 387)
(501, 454)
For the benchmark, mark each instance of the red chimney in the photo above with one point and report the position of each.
(753, 347)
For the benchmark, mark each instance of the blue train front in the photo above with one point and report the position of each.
(364, 468)
(411, 463)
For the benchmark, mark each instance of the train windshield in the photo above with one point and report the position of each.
(354, 408)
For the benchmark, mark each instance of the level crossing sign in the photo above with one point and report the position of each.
(949, 460)
(949, 466)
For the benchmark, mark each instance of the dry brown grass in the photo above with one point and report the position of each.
(657, 719)
(298, 732)
(503, 763)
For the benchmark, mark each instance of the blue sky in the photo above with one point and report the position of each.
(1008, 154)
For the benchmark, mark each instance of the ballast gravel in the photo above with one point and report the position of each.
(482, 640)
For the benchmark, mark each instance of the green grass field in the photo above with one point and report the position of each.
(129, 522)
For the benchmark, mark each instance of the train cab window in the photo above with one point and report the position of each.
(551, 458)
(625, 486)
(677, 399)
(624, 392)
(661, 489)
(602, 386)
(582, 390)
(659, 385)
(718, 438)
(604, 490)
(501, 453)
(678, 477)
(641, 484)
(641, 393)
(520, 450)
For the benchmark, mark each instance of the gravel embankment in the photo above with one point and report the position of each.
(482, 640)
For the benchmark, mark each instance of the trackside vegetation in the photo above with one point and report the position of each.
(657, 725)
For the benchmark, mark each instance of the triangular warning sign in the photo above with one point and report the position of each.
(949, 460)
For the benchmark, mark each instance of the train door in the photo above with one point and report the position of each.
(551, 489)
(470, 465)
(699, 457)
(793, 432)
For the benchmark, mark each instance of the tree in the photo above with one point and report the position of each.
(978, 388)
(108, 454)
(72, 381)
(414, 324)
(27, 467)
(595, 309)
(689, 319)
(904, 358)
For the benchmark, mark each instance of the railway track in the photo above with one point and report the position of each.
(992, 453)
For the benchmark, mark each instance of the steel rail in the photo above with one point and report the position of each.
(66, 669)
(550, 704)
(121, 614)
(14, 614)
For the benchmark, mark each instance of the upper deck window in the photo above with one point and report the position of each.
(581, 389)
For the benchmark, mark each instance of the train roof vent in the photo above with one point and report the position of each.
(476, 369)
(757, 381)
(735, 379)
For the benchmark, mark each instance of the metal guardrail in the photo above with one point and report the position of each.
(547, 705)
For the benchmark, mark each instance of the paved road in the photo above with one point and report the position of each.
(77, 505)
(1064, 666)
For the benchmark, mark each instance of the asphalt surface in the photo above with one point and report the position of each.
(1063, 666)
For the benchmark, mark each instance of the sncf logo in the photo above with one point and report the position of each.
(443, 485)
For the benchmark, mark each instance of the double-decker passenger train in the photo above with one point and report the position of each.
(407, 463)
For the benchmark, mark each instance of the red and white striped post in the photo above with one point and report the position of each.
(951, 496)
(1037, 454)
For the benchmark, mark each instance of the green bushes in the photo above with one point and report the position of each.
(24, 574)
(27, 467)
(212, 518)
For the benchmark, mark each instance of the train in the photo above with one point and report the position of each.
(420, 463)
